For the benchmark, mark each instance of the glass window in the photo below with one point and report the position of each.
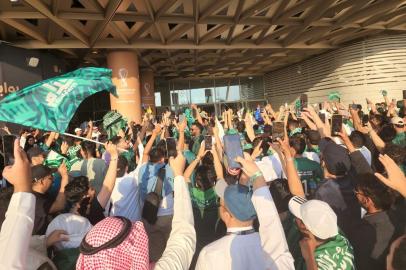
(158, 99)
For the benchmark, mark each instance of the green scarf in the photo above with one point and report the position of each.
(203, 199)
(335, 254)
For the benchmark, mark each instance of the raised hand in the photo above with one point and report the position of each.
(56, 236)
(396, 178)
(111, 148)
(178, 164)
(64, 148)
(62, 169)
(19, 174)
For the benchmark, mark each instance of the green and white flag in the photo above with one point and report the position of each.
(54, 160)
(51, 104)
(113, 122)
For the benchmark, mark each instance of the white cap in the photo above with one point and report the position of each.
(317, 216)
(75, 226)
(78, 129)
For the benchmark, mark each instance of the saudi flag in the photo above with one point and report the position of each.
(51, 104)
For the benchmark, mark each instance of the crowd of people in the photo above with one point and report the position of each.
(177, 192)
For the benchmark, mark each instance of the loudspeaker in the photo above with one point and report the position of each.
(207, 92)
(32, 62)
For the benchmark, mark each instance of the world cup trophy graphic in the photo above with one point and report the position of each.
(123, 73)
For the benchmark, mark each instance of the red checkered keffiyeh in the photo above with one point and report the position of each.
(131, 254)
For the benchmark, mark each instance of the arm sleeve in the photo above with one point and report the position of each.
(182, 240)
(16, 231)
(273, 238)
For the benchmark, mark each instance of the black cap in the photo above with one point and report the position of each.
(35, 151)
(40, 171)
(335, 157)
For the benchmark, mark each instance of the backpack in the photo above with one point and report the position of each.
(153, 199)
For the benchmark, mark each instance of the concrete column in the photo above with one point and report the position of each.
(124, 65)
(148, 89)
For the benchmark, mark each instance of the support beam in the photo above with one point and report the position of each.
(25, 28)
(196, 26)
(140, 31)
(236, 19)
(111, 9)
(43, 9)
(256, 8)
(156, 25)
(117, 29)
(153, 44)
(164, 8)
(214, 32)
(247, 33)
(214, 6)
(178, 32)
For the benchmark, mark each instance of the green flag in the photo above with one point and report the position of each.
(113, 122)
(334, 96)
(54, 160)
(50, 104)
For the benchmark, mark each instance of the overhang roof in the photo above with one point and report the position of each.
(197, 38)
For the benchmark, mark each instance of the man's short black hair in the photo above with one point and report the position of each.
(395, 152)
(369, 185)
(122, 165)
(89, 148)
(156, 155)
(116, 139)
(198, 125)
(205, 177)
(387, 133)
(281, 195)
(298, 143)
(314, 137)
(241, 126)
(357, 139)
(76, 189)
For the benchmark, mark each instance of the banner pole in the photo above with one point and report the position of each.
(89, 140)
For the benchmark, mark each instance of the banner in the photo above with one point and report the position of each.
(50, 104)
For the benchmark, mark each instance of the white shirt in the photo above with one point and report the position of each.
(16, 231)
(267, 249)
(271, 167)
(125, 198)
(366, 153)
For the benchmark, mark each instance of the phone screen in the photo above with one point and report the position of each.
(336, 124)
(232, 149)
(365, 120)
(208, 142)
(303, 101)
(171, 147)
(322, 117)
(404, 94)
(8, 149)
(277, 131)
(181, 118)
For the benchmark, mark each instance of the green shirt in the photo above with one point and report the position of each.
(400, 139)
(335, 254)
(129, 155)
(189, 156)
(196, 144)
(310, 174)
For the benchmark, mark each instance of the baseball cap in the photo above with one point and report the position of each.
(335, 157)
(317, 216)
(40, 171)
(397, 121)
(78, 129)
(35, 151)
(237, 199)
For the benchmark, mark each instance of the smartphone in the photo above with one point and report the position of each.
(365, 120)
(232, 149)
(404, 94)
(171, 147)
(8, 149)
(320, 106)
(181, 118)
(208, 141)
(303, 102)
(354, 106)
(384, 93)
(322, 117)
(278, 131)
(336, 124)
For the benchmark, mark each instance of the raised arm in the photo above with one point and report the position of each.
(181, 128)
(217, 165)
(17, 227)
(198, 116)
(110, 179)
(189, 170)
(181, 244)
(274, 244)
(59, 203)
(89, 130)
(148, 146)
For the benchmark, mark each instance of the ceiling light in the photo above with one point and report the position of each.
(95, 52)
(14, 1)
(250, 77)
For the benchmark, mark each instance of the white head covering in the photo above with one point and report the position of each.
(76, 227)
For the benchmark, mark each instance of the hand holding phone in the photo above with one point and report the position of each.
(208, 143)
(8, 149)
(233, 149)
(278, 131)
(171, 150)
(336, 124)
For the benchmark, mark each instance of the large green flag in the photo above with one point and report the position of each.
(50, 104)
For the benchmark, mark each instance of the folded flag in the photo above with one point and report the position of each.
(51, 104)
(113, 122)
(54, 160)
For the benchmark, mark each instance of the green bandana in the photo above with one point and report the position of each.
(335, 254)
(203, 199)
(54, 160)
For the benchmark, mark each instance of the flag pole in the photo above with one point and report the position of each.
(89, 140)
